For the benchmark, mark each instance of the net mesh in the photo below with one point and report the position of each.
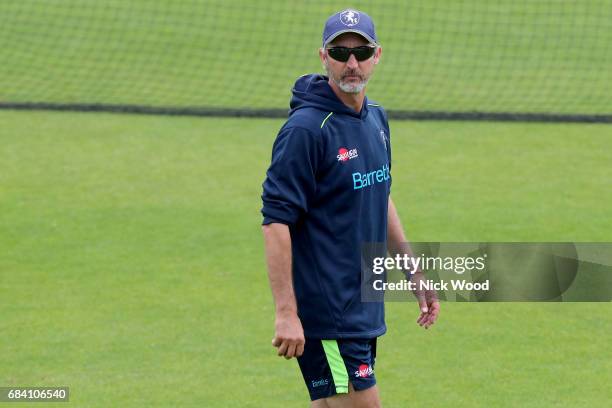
(530, 56)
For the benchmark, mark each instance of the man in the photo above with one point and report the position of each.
(326, 193)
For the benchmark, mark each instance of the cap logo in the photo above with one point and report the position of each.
(349, 18)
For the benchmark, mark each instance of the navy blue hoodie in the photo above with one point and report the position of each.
(329, 181)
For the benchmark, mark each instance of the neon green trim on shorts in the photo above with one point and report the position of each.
(325, 120)
(336, 364)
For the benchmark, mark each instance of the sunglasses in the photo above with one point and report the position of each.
(343, 54)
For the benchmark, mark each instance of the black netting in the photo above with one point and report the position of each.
(451, 57)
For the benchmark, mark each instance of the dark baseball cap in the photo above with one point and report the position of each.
(349, 21)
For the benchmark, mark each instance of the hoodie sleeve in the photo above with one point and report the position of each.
(291, 179)
(388, 129)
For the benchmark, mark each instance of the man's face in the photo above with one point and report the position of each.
(351, 76)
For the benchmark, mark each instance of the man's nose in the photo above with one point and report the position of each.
(352, 62)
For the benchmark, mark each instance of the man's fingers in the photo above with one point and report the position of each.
(282, 349)
(276, 342)
(299, 349)
(426, 322)
(290, 348)
(430, 318)
(290, 351)
(434, 310)
(421, 318)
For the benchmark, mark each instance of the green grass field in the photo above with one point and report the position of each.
(132, 267)
(131, 258)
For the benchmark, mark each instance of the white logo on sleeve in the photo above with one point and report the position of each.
(383, 137)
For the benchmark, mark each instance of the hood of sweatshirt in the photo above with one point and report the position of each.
(314, 91)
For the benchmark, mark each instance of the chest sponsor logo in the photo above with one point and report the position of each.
(363, 180)
(345, 154)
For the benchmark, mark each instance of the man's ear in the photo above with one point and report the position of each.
(377, 55)
(322, 56)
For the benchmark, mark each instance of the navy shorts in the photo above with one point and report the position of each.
(328, 366)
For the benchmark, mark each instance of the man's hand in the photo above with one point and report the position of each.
(396, 242)
(289, 336)
(428, 303)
